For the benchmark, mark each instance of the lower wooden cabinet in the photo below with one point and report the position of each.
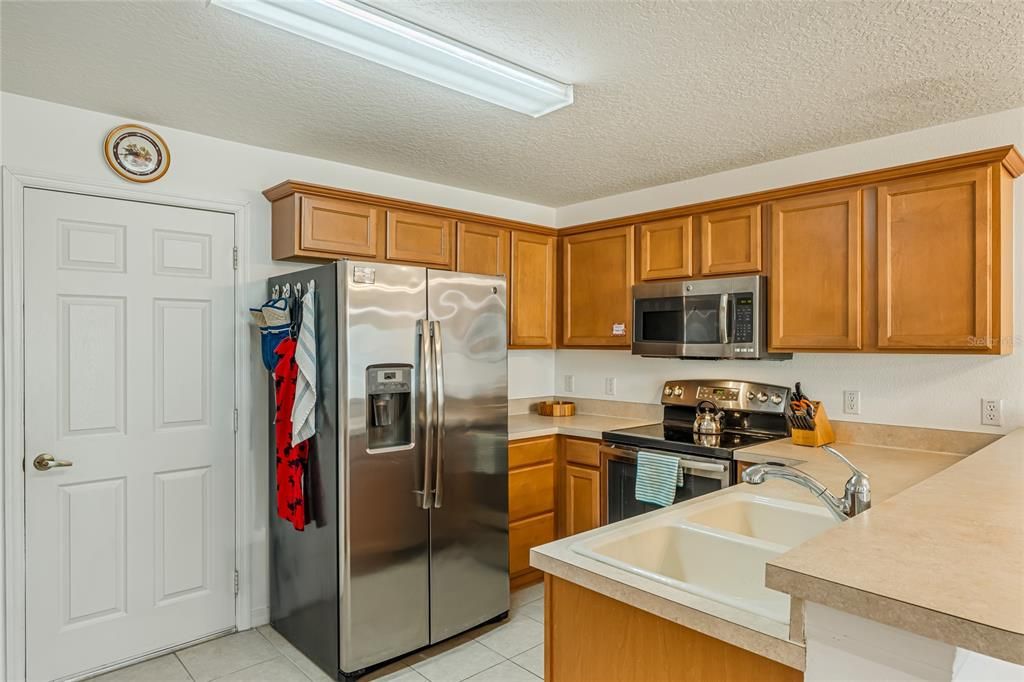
(589, 636)
(522, 535)
(582, 498)
(531, 503)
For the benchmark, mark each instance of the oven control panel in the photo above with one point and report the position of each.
(727, 394)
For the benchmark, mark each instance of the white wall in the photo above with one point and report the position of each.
(54, 140)
(940, 391)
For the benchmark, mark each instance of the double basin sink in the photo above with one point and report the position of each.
(716, 549)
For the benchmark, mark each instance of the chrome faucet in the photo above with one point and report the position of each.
(856, 499)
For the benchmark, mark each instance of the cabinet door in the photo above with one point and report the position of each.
(935, 262)
(666, 248)
(816, 272)
(522, 535)
(332, 226)
(483, 249)
(582, 499)
(420, 238)
(597, 277)
(531, 491)
(532, 298)
(730, 241)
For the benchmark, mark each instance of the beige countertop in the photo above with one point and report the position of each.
(943, 559)
(892, 470)
(583, 425)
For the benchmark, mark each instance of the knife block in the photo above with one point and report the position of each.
(822, 433)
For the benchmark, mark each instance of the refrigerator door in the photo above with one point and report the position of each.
(469, 515)
(384, 553)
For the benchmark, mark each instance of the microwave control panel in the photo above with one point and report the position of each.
(743, 331)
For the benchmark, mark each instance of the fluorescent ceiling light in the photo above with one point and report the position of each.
(369, 33)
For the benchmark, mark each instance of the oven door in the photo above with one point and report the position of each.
(701, 475)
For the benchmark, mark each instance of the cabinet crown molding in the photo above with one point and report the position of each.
(289, 187)
(1008, 155)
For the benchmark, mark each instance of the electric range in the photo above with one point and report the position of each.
(752, 413)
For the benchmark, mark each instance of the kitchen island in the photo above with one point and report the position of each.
(906, 485)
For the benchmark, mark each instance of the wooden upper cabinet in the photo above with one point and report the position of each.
(483, 249)
(310, 227)
(421, 238)
(666, 248)
(597, 288)
(532, 290)
(816, 280)
(936, 262)
(730, 241)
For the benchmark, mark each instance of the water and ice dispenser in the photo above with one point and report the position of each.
(389, 406)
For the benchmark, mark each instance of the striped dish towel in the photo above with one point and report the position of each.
(303, 410)
(657, 477)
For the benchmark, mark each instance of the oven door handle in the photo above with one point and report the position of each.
(701, 466)
(697, 466)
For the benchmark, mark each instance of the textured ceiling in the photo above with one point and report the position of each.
(664, 90)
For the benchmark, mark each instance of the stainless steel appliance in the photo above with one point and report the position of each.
(752, 413)
(408, 475)
(703, 318)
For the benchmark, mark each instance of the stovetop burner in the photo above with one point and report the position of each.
(678, 438)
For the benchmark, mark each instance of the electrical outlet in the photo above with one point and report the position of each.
(851, 402)
(991, 412)
(569, 383)
(609, 385)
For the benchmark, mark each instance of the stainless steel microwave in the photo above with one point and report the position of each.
(703, 318)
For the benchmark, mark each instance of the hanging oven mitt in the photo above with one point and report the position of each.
(274, 320)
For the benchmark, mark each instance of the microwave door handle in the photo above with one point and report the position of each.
(723, 324)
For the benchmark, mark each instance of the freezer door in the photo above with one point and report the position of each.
(384, 553)
(469, 514)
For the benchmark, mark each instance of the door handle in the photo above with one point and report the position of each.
(427, 393)
(45, 462)
(439, 425)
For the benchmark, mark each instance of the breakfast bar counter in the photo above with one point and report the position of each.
(894, 472)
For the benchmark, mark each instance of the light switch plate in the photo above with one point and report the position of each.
(569, 383)
(609, 385)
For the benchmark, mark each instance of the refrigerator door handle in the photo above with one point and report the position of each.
(426, 392)
(439, 426)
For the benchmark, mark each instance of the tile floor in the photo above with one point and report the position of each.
(510, 651)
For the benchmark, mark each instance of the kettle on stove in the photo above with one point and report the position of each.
(708, 422)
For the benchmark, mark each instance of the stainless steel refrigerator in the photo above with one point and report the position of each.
(407, 479)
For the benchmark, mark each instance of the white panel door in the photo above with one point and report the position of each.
(129, 351)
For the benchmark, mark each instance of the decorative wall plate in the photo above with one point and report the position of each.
(137, 153)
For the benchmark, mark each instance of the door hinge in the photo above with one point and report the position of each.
(236, 582)
(234, 257)
(235, 417)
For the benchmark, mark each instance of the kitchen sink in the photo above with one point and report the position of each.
(777, 521)
(716, 549)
